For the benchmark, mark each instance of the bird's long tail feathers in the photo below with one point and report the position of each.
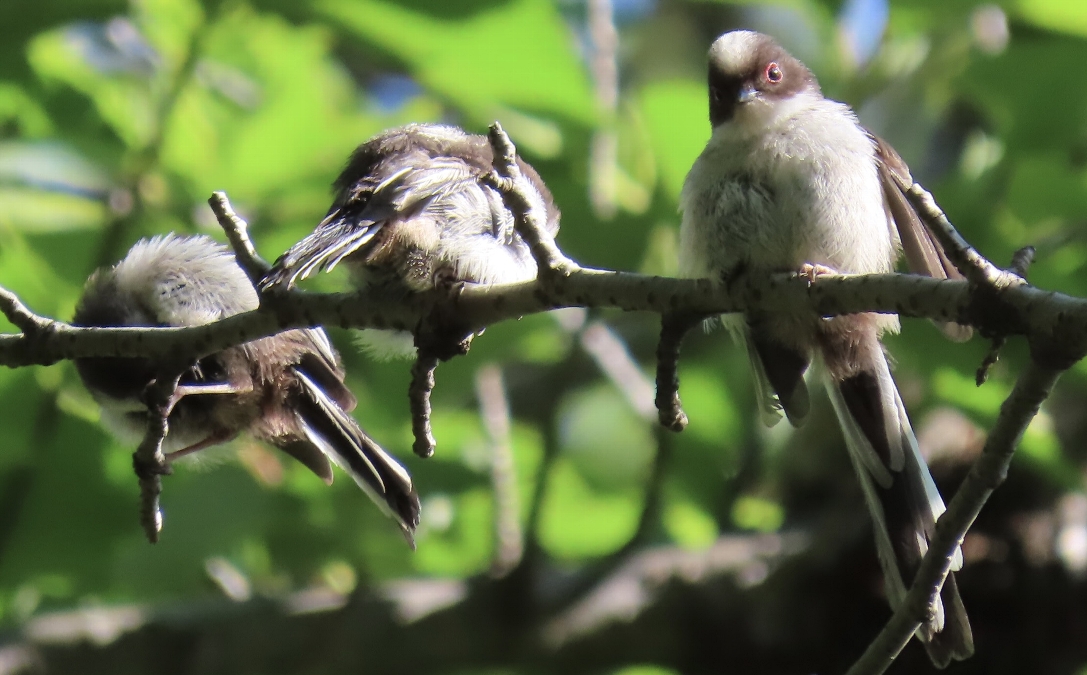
(779, 377)
(342, 440)
(900, 493)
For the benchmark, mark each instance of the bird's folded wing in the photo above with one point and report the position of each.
(924, 254)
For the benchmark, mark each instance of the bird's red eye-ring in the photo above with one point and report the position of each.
(773, 73)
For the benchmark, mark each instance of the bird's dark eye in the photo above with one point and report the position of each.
(773, 73)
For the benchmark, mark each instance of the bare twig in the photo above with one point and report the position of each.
(494, 409)
(148, 461)
(614, 359)
(422, 384)
(1021, 262)
(965, 257)
(237, 231)
(669, 408)
(21, 316)
(633, 586)
(529, 212)
(988, 472)
(603, 176)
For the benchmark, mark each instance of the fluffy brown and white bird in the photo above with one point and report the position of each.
(287, 390)
(790, 180)
(412, 209)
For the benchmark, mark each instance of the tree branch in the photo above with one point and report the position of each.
(1016, 310)
(988, 472)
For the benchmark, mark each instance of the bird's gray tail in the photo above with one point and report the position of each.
(899, 491)
(343, 441)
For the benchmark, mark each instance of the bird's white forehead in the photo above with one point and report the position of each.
(732, 50)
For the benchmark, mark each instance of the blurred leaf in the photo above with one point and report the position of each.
(610, 445)
(1058, 15)
(24, 112)
(125, 102)
(464, 547)
(268, 108)
(644, 670)
(756, 513)
(708, 404)
(579, 521)
(522, 46)
(687, 524)
(675, 115)
(962, 391)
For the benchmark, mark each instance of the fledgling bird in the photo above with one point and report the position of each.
(413, 211)
(788, 181)
(287, 389)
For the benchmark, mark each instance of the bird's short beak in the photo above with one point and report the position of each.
(748, 93)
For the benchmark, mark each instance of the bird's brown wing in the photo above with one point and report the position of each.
(924, 255)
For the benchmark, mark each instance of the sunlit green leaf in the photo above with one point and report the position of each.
(608, 442)
(579, 521)
(675, 114)
(523, 47)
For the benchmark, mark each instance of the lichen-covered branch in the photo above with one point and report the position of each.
(1019, 310)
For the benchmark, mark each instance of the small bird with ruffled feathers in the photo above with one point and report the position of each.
(287, 389)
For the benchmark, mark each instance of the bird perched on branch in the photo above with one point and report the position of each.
(788, 181)
(287, 389)
(413, 211)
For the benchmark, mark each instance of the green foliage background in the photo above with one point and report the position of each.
(118, 119)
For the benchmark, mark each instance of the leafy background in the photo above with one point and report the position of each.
(117, 120)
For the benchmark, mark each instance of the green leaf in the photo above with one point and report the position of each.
(1057, 15)
(465, 544)
(756, 513)
(675, 115)
(608, 442)
(687, 524)
(517, 54)
(579, 521)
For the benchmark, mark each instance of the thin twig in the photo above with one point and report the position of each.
(614, 360)
(422, 384)
(21, 316)
(1021, 262)
(529, 212)
(494, 409)
(237, 231)
(669, 407)
(604, 165)
(965, 257)
(148, 461)
(988, 472)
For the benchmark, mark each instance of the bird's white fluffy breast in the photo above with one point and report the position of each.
(777, 193)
